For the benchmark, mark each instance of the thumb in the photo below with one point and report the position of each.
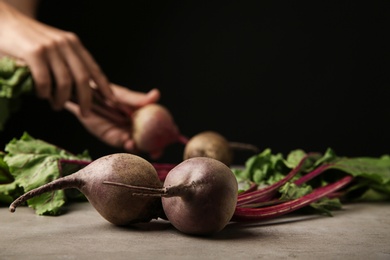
(134, 98)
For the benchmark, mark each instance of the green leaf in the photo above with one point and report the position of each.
(371, 182)
(49, 203)
(290, 191)
(264, 168)
(5, 175)
(294, 157)
(15, 81)
(33, 162)
(7, 67)
(372, 176)
(9, 192)
(374, 169)
(326, 205)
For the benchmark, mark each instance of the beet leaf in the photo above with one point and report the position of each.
(301, 182)
(32, 163)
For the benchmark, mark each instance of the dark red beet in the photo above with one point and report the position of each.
(116, 205)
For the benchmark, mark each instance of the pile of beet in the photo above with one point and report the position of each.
(199, 196)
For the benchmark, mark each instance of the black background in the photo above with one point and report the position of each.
(277, 74)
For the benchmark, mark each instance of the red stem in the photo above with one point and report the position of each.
(269, 191)
(312, 174)
(163, 169)
(183, 139)
(112, 112)
(256, 214)
(253, 187)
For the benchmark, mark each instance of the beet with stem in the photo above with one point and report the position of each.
(153, 129)
(199, 195)
(152, 126)
(117, 206)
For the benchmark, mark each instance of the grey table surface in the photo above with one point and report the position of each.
(358, 231)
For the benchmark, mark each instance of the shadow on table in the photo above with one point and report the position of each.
(234, 230)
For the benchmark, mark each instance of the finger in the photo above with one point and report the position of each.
(41, 74)
(152, 96)
(101, 128)
(97, 75)
(115, 137)
(128, 145)
(63, 79)
(80, 74)
(73, 108)
(135, 98)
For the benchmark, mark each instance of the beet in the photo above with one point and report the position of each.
(214, 145)
(199, 196)
(117, 206)
(153, 129)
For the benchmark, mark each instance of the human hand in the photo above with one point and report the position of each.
(59, 63)
(110, 125)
